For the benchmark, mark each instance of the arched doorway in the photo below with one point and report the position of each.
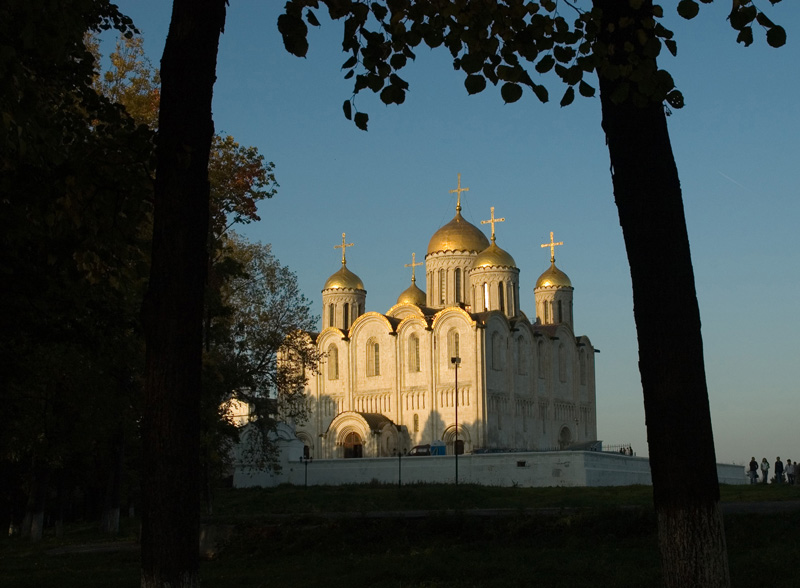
(564, 438)
(353, 445)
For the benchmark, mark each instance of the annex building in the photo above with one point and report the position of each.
(459, 363)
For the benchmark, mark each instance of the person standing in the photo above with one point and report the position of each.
(753, 471)
(764, 470)
(778, 470)
(790, 470)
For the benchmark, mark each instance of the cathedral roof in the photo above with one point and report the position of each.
(412, 295)
(458, 235)
(344, 279)
(494, 256)
(553, 277)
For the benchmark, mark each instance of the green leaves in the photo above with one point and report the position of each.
(475, 84)
(504, 42)
(688, 9)
(776, 36)
(742, 16)
(510, 92)
(568, 97)
(361, 119)
(294, 32)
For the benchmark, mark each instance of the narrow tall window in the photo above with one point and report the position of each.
(457, 277)
(442, 285)
(452, 347)
(416, 423)
(497, 352)
(582, 362)
(560, 313)
(333, 362)
(331, 314)
(373, 358)
(540, 355)
(485, 296)
(546, 314)
(346, 315)
(413, 354)
(501, 299)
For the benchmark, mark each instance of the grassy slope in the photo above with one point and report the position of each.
(604, 546)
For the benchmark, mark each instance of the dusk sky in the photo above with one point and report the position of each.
(543, 168)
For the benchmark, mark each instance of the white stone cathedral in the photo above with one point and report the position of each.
(389, 382)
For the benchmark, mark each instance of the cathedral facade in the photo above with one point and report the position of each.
(459, 366)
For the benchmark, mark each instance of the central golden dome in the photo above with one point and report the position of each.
(553, 277)
(344, 279)
(494, 256)
(458, 235)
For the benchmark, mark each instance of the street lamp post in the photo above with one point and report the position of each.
(456, 362)
(305, 460)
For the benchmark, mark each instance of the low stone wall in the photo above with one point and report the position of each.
(539, 469)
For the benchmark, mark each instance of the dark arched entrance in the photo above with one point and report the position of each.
(353, 446)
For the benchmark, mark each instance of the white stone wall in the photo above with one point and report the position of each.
(539, 469)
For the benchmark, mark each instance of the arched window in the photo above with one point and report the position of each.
(497, 351)
(562, 363)
(331, 314)
(522, 356)
(442, 285)
(333, 362)
(540, 354)
(501, 299)
(373, 358)
(346, 315)
(457, 278)
(453, 347)
(582, 362)
(413, 354)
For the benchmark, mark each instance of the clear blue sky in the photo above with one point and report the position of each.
(544, 169)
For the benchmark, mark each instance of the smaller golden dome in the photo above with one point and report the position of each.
(493, 256)
(412, 295)
(344, 279)
(553, 277)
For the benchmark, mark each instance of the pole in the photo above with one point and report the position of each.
(456, 361)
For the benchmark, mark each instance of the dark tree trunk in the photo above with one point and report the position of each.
(109, 519)
(173, 308)
(682, 459)
(33, 523)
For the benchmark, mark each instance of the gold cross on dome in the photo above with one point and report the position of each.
(458, 191)
(552, 245)
(412, 265)
(493, 220)
(343, 246)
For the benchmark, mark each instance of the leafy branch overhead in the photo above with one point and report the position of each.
(510, 43)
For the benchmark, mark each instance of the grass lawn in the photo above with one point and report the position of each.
(604, 545)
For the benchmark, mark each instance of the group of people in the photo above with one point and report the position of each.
(780, 471)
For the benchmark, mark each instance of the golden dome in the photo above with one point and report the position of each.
(344, 279)
(493, 256)
(458, 235)
(412, 295)
(553, 277)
